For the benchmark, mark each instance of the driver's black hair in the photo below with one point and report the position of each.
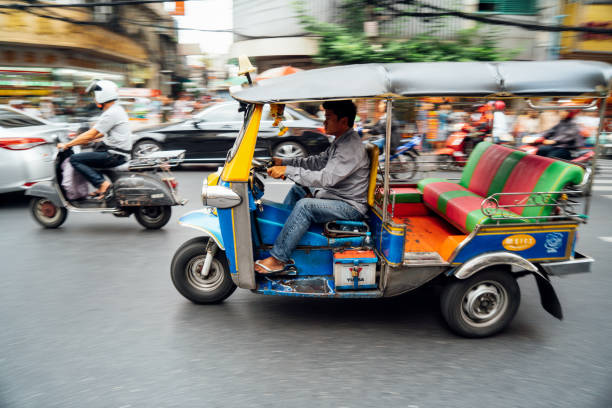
(343, 109)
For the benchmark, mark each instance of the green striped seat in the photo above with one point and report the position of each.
(498, 169)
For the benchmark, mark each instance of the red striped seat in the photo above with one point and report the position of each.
(498, 169)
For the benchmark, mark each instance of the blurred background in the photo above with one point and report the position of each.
(171, 58)
(174, 60)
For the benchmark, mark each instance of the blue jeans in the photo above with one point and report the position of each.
(305, 212)
(83, 163)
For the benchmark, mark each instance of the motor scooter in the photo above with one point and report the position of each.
(144, 187)
(458, 146)
(579, 155)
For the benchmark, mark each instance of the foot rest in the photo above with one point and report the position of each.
(340, 229)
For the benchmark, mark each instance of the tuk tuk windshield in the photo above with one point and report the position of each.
(248, 113)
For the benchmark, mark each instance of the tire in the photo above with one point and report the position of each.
(46, 213)
(186, 265)
(445, 162)
(467, 305)
(289, 150)
(144, 147)
(403, 168)
(153, 217)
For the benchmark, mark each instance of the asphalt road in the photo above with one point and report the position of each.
(89, 318)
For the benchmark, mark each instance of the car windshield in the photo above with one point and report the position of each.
(226, 112)
(12, 119)
(247, 117)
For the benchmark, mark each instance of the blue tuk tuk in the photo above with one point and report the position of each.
(510, 215)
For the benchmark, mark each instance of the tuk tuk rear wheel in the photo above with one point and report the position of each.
(481, 305)
(186, 268)
(46, 213)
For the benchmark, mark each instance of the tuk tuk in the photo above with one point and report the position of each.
(510, 215)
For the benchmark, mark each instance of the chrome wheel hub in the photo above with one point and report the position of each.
(288, 152)
(145, 148)
(484, 303)
(204, 282)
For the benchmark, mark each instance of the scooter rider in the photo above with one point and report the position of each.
(562, 138)
(116, 135)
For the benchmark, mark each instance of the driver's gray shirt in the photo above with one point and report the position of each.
(339, 173)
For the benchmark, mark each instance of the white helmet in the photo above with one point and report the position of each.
(104, 91)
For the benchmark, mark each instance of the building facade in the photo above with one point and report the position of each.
(270, 33)
(593, 13)
(41, 56)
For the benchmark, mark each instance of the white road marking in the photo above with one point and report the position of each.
(602, 188)
(606, 181)
(607, 196)
(606, 239)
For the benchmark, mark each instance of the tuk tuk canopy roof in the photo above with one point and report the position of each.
(421, 79)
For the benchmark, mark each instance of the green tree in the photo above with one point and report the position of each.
(346, 43)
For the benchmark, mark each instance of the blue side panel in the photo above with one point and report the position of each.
(389, 244)
(227, 230)
(204, 220)
(311, 262)
(272, 219)
(321, 287)
(548, 246)
(270, 229)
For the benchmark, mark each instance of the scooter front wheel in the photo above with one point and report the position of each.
(195, 284)
(153, 217)
(46, 213)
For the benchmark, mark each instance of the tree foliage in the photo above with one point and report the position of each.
(346, 43)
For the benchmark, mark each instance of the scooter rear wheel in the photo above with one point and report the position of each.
(46, 213)
(153, 217)
(186, 273)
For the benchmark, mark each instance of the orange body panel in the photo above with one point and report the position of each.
(430, 234)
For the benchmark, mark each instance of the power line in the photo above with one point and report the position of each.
(139, 23)
(443, 12)
(19, 6)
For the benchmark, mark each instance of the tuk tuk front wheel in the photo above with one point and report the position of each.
(481, 305)
(46, 213)
(192, 282)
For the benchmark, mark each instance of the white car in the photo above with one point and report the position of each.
(27, 148)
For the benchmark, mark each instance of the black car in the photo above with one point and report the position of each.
(211, 133)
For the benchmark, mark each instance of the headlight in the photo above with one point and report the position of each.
(219, 196)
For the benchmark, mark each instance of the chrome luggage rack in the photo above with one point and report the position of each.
(560, 199)
(163, 160)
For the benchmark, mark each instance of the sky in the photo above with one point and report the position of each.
(209, 15)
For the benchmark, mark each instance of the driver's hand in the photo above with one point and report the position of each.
(548, 142)
(61, 146)
(277, 171)
(277, 161)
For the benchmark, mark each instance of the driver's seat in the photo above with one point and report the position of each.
(359, 227)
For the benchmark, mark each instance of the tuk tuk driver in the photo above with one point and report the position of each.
(330, 186)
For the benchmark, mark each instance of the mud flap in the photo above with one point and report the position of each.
(548, 297)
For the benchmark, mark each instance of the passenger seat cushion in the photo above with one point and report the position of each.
(493, 169)
(406, 195)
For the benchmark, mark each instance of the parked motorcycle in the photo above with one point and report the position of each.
(144, 187)
(404, 160)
